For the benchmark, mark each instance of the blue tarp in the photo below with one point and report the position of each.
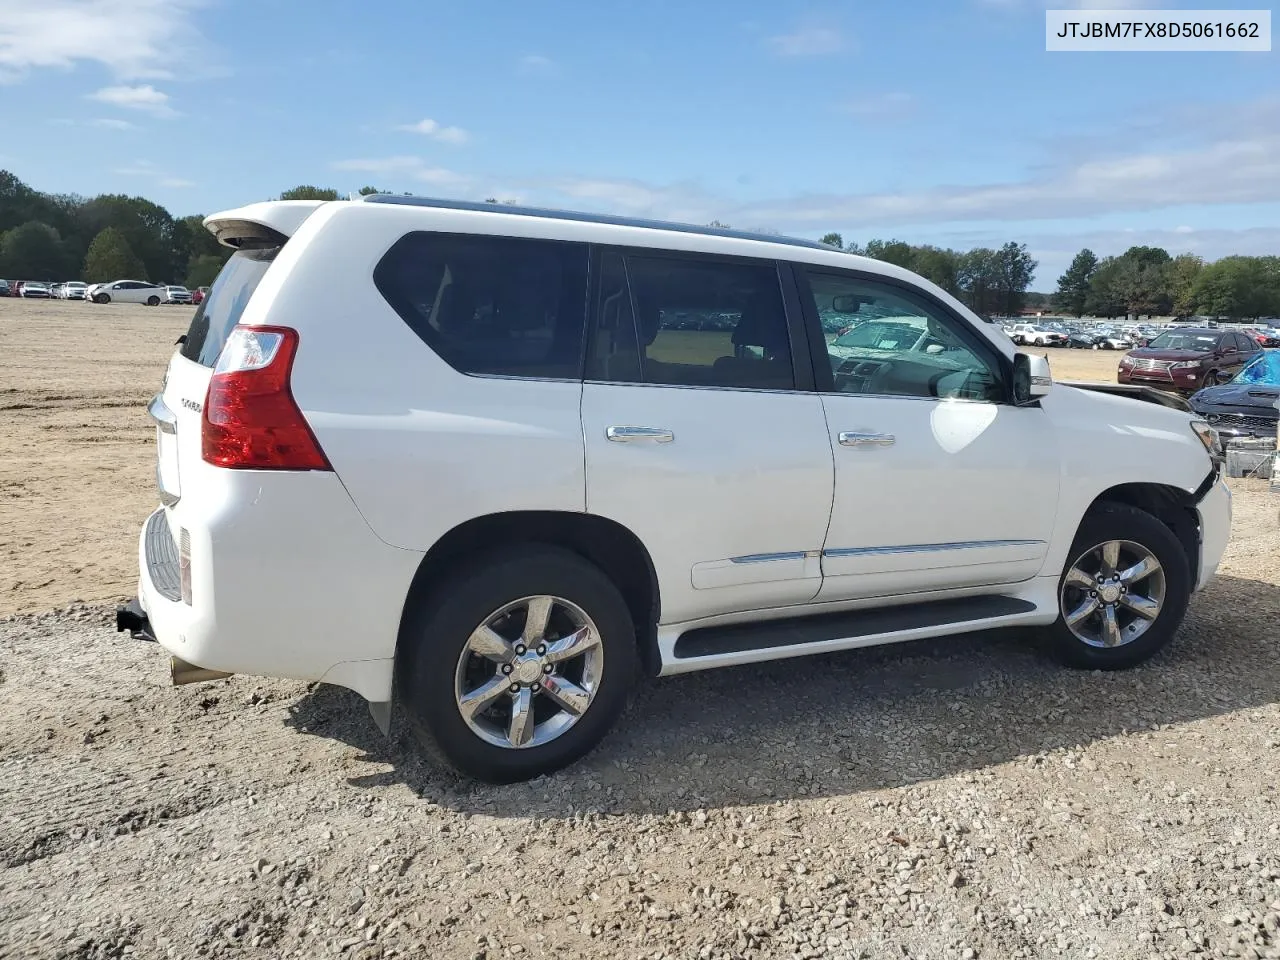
(1265, 369)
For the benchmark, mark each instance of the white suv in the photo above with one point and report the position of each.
(496, 460)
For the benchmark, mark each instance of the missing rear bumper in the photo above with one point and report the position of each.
(130, 616)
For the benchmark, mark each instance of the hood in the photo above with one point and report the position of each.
(1148, 353)
(1237, 395)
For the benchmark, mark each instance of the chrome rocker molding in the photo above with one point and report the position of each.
(926, 548)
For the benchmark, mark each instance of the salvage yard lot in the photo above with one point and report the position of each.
(957, 798)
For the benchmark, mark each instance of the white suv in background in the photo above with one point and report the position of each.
(491, 461)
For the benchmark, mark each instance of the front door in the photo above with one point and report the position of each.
(702, 436)
(940, 483)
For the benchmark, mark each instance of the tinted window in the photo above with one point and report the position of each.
(1177, 340)
(884, 342)
(1247, 344)
(495, 305)
(221, 308)
(615, 347)
(698, 322)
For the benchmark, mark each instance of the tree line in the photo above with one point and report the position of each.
(991, 282)
(1147, 281)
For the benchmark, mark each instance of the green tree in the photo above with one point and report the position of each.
(110, 257)
(1238, 288)
(979, 280)
(202, 270)
(1181, 275)
(1073, 286)
(32, 251)
(833, 240)
(1015, 270)
(1142, 281)
(148, 228)
(370, 191)
(939, 266)
(308, 192)
(1104, 299)
(897, 252)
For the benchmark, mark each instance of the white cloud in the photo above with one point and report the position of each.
(146, 168)
(176, 182)
(536, 63)
(809, 40)
(432, 129)
(133, 39)
(144, 97)
(881, 105)
(110, 123)
(412, 168)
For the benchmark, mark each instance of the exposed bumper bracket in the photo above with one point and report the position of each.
(130, 616)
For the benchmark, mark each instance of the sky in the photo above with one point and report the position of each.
(926, 121)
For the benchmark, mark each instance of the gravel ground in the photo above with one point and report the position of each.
(952, 799)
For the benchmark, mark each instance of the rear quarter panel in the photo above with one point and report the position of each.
(420, 447)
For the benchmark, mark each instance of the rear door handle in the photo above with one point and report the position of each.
(852, 439)
(639, 435)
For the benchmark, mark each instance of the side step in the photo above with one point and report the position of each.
(849, 625)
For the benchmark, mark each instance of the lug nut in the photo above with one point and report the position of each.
(515, 688)
(548, 668)
(507, 668)
(1093, 593)
(536, 686)
(520, 649)
(542, 650)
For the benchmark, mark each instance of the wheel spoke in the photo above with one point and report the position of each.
(567, 694)
(1078, 578)
(1139, 571)
(1110, 556)
(1144, 607)
(1086, 607)
(485, 642)
(520, 730)
(535, 624)
(573, 645)
(1110, 627)
(472, 703)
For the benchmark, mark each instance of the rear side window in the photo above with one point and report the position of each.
(697, 322)
(505, 306)
(221, 308)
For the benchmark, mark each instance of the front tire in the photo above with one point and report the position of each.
(517, 665)
(1124, 592)
(153, 301)
(101, 298)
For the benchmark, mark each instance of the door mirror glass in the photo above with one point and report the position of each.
(1031, 378)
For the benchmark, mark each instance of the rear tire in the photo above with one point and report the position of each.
(1162, 592)
(438, 666)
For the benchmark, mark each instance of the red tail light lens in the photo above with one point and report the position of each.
(251, 420)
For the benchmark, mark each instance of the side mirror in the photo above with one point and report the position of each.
(1031, 378)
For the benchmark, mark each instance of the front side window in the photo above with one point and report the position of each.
(882, 341)
(696, 322)
(505, 306)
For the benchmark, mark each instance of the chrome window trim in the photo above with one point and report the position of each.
(700, 386)
(926, 548)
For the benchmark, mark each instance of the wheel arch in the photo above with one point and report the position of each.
(606, 543)
(1172, 506)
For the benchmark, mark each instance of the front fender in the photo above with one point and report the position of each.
(1106, 441)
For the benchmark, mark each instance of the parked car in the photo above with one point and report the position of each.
(1263, 337)
(1113, 341)
(1083, 340)
(1188, 358)
(475, 480)
(34, 290)
(1248, 406)
(128, 291)
(198, 294)
(73, 290)
(175, 294)
(1030, 334)
(4, 288)
(15, 288)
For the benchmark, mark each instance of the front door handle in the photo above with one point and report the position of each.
(852, 439)
(639, 435)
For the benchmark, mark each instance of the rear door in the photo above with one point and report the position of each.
(703, 435)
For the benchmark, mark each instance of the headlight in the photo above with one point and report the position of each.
(1209, 437)
(1126, 361)
(1186, 364)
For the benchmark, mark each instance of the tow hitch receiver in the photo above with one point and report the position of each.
(130, 616)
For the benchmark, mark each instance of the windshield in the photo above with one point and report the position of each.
(221, 308)
(1199, 342)
(878, 335)
(1262, 369)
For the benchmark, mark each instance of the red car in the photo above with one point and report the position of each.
(1188, 358)
(198, 294)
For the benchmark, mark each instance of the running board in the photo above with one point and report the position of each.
(851, 625)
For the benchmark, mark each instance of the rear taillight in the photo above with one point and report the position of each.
(251, 420)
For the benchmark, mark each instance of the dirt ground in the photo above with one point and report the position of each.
(962, 798)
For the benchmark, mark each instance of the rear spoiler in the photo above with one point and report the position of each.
(1135, 390)
(260, 225)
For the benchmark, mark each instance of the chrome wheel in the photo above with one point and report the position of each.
(529, 672)
(1112, 593)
